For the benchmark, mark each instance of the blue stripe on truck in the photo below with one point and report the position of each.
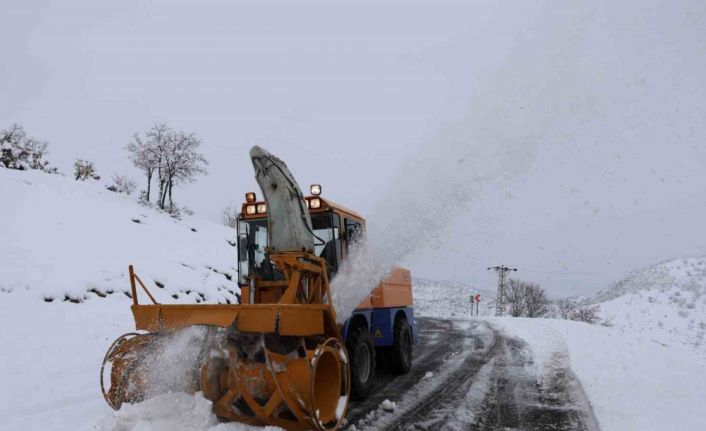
(381, 322)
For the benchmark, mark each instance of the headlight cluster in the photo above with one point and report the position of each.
(252, 208)
(255, 209)
(313, 203)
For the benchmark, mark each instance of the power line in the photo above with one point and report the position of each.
(560, 271)
(500, 300)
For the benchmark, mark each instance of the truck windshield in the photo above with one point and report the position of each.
(252, 240)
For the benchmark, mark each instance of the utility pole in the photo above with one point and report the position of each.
(500, 300)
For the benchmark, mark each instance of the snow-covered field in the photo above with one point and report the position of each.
(68, 242)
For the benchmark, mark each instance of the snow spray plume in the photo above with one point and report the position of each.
(173, 364)
(494, 142)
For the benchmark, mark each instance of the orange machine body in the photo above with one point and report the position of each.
(389, 301)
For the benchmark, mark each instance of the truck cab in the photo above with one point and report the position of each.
(381, 331)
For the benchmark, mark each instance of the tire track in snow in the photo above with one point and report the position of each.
(519, 400)
(438, 408)
(482, 380)
(452, 379)
(440, 340)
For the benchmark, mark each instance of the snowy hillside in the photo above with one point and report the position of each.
(64, 251)
(447, 299)
(68, 240)
(665, 302)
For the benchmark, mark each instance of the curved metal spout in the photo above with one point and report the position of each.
(289, 224)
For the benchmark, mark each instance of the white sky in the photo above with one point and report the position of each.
(586, 122)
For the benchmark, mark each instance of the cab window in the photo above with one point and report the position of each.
(353, 232)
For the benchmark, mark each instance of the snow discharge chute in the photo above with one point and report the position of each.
(276, 359)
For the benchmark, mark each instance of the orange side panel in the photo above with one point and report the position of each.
(395, 290)
(366, 303)
(301, 322)
(262, 320)
(148, 317)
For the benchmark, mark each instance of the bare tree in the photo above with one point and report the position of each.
(146, 153)
(229, 216)
(181, 162)
(525, 299)
(587, 313)
(173, 155)
(536, 302)
(21, 152)
(515, 294)
(564, 307)
(84, 170)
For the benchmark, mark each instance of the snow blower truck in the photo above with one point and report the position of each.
(279, 357)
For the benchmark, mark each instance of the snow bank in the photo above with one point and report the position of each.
(632, 382)
(69, 240)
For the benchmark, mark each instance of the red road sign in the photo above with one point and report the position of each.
(477, 298)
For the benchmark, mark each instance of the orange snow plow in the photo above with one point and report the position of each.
(280, 363)
(277, 358)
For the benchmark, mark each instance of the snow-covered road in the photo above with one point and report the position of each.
(468, 375)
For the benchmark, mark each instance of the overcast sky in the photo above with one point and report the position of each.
(568, 140)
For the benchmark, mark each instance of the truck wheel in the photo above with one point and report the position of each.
(401, 353)
(361, 353)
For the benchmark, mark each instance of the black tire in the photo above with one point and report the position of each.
(361, 354)
(400, 358)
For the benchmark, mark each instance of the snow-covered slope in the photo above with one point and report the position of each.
(64, 251)
(665, 302)
(447, 299)
(68, 240)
